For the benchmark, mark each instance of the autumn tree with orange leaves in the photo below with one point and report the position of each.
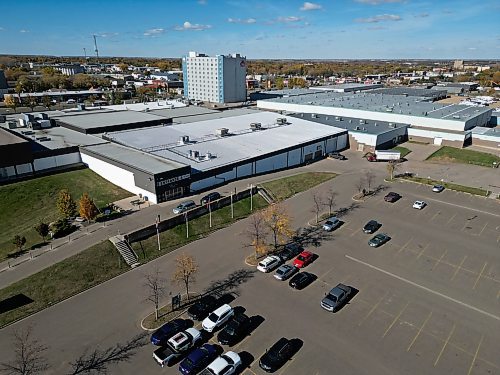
(277, 221)
(87, 209)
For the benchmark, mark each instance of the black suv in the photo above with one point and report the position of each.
(371, 227)
(210, 198)
(277, 355)
(202, 307)
(236, 329)
(392, 197)
(290, 251)
(336, 155)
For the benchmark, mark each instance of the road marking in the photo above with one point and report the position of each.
(355, 232)
(444, 345)
(395, 320)
(250, 371)
(475, 355)
(425, 288)
(373, 308)
(482, 230)
(419, 331)
(498, 239)
(434, 216)
(449, 221)
(466, 225)
(459, 267)
(287, 364)
(404, 246)
(498, 294)
(423, 250)
(326, 273)
(479, 276)
(439, 260)
(465, 207)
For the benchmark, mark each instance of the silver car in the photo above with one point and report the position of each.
(184, 206)
(285, 271)
(331, 224)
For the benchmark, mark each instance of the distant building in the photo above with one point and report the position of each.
(4, 88)
(218, 79)
(70, 69)
(458, 64)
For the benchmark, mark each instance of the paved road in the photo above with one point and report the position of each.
(427, 301)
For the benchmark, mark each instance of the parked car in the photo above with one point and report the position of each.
(378, 240)
(226, 364)
(198, 359)
(166, 331)
(336, 297)
(269, 263)
(301, 280)
(392, 197)
(210, 198)
(202, 307)
(217, 318)
(371, 227)
(419, 205)
(336, 155)
(177, 346)
(235, 330)
(184, 206)
(303, 259)
(277, 355)
(290, 251)
(285, 271)
(437, 188)
(331, 224)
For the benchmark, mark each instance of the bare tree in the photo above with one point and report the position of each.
(97, 361)
(257, 232)
(330, 198)
(185, 271)
(369, 178)
(155, 285)
(392, 167)
(29, 355)
(360, 185)
(317, 205)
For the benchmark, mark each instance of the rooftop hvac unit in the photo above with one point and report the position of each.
(2, 118)
(195, 154)
(222, 132)
(208, 156)
(356, 128)
(183, 139)
(281, 121)
(255, 125)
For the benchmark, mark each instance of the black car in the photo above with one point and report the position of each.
(204, 306)
(166, 331)
(336, 155)
(210, 198)
(277, 355)
(371, 227)
(290, 251)
(235, 330)
(301, 280)
(392, 197)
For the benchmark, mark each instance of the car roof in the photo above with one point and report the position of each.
(278, 345)
(269, 259)
(372, 222)
(333, 218)
(219, 364)
(306, 253)
(221, 310)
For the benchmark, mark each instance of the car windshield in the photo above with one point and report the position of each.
(231, 328)
(332, 297)
(188, 362)
(300, 257)
(213, 317)
(329, 222)
(281, 271)
(229, 360)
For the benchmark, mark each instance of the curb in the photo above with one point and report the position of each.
(457, 191)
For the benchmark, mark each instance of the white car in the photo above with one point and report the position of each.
(226, 364)
(217, 318)
(285, 271)
(331, 224)
(419, 205)
(269, 263)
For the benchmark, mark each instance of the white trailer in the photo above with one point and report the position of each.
(384, 155)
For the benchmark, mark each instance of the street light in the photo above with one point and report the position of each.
(158, 231)
(187, 224)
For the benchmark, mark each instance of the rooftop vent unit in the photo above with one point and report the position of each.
(281, 121)
(392, 125)
(314, 115)
(222, 132)
(456, 116)
(356, 128)
(388, 110)
(424, 113)
(255, 126)
(207, 156)
(326, 118)
(184, 139)
(193, 154)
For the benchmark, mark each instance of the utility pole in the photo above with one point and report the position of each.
(85, 54)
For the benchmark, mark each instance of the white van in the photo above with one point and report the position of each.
(217, 318)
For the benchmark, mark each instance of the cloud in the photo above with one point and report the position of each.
(192, 26)
(239, 20)
(24, 31)
(472, 48)
(377, 28)
(378, 2)
(288, 19)
(310, 6)
(421, 15)
(2, 29)
(202, 2)
(154, 32)
(379, 18)
(106, 35)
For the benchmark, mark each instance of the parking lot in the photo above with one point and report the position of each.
(426, 302)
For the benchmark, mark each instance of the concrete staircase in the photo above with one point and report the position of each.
(125, 250)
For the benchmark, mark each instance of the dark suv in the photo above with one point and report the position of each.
(210, 198)
(290, 251)
(336, 155)
(371, 227)
(277, 355)
(392, 197)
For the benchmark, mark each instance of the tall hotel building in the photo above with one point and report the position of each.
(218, 79)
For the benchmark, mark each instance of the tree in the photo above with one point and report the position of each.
(360, 185)
(11, 102)
(317, 205)
(369, 178)
(87, 208)
(330, 199)
(257, 233)
(31, 102)
(42, 229)
(65, 203)
(19, 242)
(47, 102)
(278, 222)
(82, 81)
(156, 289)
(123, 67)
(392, 167)
(280, 84)
(28, 355)
(186, 271)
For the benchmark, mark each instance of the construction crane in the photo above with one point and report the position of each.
(96, 50)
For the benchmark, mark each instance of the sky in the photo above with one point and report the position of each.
(268, 29)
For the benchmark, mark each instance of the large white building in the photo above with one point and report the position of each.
(217, 79)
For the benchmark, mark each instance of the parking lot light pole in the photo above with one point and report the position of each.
(232, 208)
(158, 232)
(210, 213)
(251, 197)
(187, 225)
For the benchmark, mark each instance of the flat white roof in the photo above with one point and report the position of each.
(241, 144)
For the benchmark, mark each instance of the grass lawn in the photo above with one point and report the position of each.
(102, 262)
(449, 185)
(284, 188)
(403, 150)
(458, 155)
(24, 204)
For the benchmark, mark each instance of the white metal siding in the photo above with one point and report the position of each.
(294, 157)
(365, 138)
(435, 134)
(244, 170)
(331, 145)
(313, 148)
(342, 141)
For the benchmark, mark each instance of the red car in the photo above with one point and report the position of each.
(303, 259)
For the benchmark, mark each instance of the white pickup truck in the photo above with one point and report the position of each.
(177, 346)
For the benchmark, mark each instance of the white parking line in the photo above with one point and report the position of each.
(459, 266)
(475, 355)
(419, 331)
(395, 320)
(425, 288)
(480, 274)
(444, 345)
